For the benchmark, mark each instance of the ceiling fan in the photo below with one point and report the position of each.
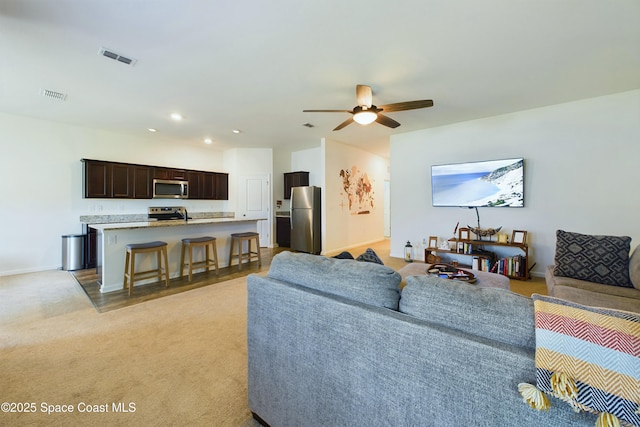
(365, 112)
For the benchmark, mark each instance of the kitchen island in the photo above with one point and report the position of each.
(113, 237)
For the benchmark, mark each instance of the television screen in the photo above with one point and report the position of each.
(493, 183)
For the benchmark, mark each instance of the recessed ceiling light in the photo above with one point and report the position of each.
(152, 130)
(208, 141)
(235, 131)
(176, 116)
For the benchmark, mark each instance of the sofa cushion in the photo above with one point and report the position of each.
(588, 357)
(496, 314)
(634, 268)
(600, 259)
(362, 281)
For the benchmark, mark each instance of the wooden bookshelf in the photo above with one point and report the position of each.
(522, 247)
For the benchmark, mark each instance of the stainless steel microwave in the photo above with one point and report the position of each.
(170, 189)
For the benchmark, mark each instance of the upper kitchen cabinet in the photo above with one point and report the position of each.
(215, 186)
(196, 184)
(142, 182)
(222, 186)
(294, 179)
(105, 180)
(97, 179)
(169, 173)
(121, 180)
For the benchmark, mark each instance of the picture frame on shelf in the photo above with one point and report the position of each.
(433, 242)
(463, 233)
(519, 237)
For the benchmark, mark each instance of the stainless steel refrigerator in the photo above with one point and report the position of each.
(305, 220)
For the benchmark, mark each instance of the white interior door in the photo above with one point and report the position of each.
(253, 201)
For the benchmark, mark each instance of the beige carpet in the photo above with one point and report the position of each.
(178, 360)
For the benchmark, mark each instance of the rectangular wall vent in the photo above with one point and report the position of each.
(54, 95)
(108, 53)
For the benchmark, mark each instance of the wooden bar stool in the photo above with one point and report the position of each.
(205, 242)
(239, 238)
(130, 275)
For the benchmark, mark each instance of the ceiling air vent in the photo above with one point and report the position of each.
(54, 95)
(116, 56)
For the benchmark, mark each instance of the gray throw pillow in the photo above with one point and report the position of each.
(370, 256)
(344, 255)
(599, 259)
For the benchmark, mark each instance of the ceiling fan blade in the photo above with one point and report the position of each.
(363, 95)
(409, 105)
(344, 124)
(327, 111)
(387, 121)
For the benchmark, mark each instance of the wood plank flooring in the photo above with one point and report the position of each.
(88, 280)
(103, 302)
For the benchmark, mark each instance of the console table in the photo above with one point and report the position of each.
(522, 273)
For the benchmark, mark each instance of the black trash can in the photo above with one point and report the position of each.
(73, 252)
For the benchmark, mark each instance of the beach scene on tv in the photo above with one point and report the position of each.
(494, 183)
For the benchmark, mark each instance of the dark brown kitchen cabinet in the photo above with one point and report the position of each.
(97, 179)
(121, 181)
(142, 182)
(179, 174)
(215, 186)
(169, 173)
(104, 179)
(107, 180)
(90, 247)
(294, 179)
(209, 185)
(222, 186)
(283, 231)
(161, 173)
(196, 184)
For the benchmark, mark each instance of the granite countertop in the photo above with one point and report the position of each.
(126, 218)
(169, 223)
(283, 214)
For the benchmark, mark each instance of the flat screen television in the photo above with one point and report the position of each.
(492, 183)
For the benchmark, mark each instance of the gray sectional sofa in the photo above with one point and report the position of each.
(334, 342)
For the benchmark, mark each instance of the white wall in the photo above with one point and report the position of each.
(41, 172)
(309, 160)
(344, 229)
(581, 173)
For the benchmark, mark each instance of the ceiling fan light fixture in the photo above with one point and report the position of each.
(365, 112)
(365, 117)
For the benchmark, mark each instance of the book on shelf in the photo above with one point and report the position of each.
(481, 263)
(515, 266)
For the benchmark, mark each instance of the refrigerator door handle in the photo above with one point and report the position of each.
(291, 211)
